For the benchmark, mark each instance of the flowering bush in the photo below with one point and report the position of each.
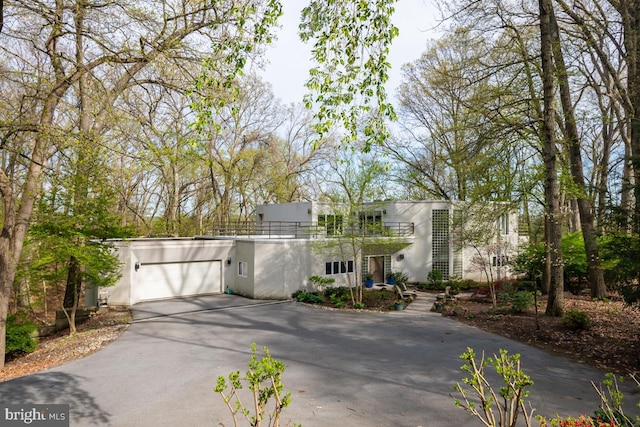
(582, 421)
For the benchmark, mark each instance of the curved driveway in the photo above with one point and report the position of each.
(342, 368)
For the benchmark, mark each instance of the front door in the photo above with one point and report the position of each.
(376, 268)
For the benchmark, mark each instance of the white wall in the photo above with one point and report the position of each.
(288, 212)
(417, 262)
(144, 251)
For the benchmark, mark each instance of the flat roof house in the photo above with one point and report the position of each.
(291, 242)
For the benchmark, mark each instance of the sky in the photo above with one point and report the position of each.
(289, 59)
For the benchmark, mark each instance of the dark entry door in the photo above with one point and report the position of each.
(376, 268)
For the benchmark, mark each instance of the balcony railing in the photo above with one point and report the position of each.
(310, 230)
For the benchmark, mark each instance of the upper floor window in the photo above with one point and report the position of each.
(504, 223)
(371, 222)
(332, 223)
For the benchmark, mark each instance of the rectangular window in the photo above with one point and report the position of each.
(331, 223)
(371, 223)
(504, 223)
(242, 268)
(338, 267)
(500, 261)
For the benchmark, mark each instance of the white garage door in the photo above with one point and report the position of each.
(178, 279)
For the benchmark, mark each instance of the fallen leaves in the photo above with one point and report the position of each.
(611, 344)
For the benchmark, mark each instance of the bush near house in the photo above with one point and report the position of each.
(340, 297)
(19, 336)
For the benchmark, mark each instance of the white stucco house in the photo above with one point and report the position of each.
(291, 242)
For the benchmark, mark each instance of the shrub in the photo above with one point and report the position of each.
(19, 335)
(620, 254)
(264, 378)
(582, 421)
(308, 297)
(398, 278)
(435, 278)
(497, 407)
(319, 282)
(519, 301)
(338, 293)
(577, 320)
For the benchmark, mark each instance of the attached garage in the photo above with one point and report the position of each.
(169, 268)
(177, 279)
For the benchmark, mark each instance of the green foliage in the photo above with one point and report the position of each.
(620, 254)
(435, 278)
(19, 335)
(253, 28)
(577, 320)
(611, 402)
(69, 227)
(398, 277)
(498, 407)
(351, 44)
(574, 255)
(530, 260)
(510, 399)
(317, 281)
(264, 380)
(359, 305)
(518, 301)
(338, 296)
(308, 297)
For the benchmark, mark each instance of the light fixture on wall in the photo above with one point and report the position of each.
(400, 257)
(229, 261)
(309, 211)
(137, 266)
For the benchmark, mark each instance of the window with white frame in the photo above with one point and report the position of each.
(242, 268)
(504, 223)
(338, 267)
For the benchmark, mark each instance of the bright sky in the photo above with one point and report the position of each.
(289, 62)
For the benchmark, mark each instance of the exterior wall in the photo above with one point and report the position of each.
(508, 247)
(294, 212)
(243, 285)
(276, 268)
(144, 251)
(416, 260)
(281, 267)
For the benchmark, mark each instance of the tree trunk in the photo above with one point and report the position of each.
(630, 13)
(555, 304)
(74, 284)
(585, 207)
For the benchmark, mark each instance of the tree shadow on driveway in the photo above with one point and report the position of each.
(55, 388)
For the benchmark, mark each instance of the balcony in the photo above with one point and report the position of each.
(310, 230)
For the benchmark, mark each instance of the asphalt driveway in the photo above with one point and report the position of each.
(342, 368)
